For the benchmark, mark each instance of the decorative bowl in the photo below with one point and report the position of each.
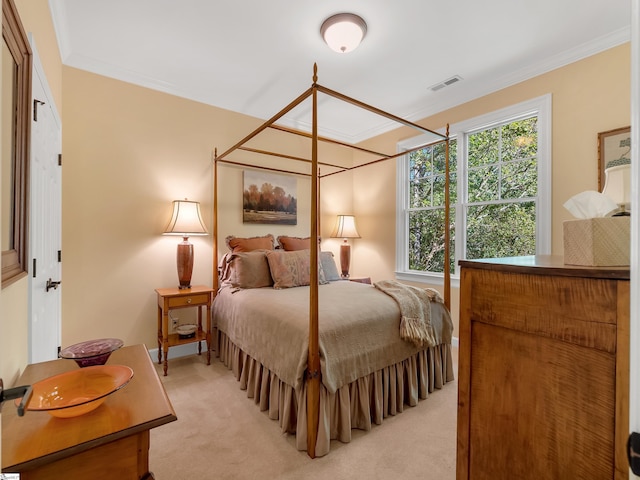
(77, 392)
(92, 352)
(187, 331)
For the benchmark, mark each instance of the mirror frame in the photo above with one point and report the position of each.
(14, 261)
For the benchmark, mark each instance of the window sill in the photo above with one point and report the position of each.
(428, 278)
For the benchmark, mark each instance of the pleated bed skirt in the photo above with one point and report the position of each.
(359, 404)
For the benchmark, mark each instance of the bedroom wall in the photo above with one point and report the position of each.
(588, 96)
(128, 152)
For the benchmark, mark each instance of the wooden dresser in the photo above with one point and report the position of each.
(543, 370)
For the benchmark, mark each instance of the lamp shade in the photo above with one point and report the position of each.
(186, 219)
(345, 227)
(617, 185)
(343, 32)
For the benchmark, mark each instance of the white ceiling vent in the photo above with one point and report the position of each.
(446, 83)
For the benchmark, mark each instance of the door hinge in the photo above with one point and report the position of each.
(59, 256)
(633, 452)
(34, 268)
(59, 159)
(36, 102)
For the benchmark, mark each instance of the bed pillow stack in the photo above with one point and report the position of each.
(253, 262)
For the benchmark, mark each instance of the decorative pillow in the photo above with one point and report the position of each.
(291, 269)
(237, 244)
(247, 270)
(290, 244)
(329, 267)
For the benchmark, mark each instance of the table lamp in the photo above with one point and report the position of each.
(345, 228)
(617, 184)
(185, 221)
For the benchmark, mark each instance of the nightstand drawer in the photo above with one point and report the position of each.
(188, 301)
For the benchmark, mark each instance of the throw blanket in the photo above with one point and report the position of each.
(415, 310)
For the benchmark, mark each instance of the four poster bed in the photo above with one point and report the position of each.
(328, 355)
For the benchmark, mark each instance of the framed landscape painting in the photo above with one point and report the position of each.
(612, 145)
(269, 198)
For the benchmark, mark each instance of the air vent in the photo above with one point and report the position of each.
(446, 83)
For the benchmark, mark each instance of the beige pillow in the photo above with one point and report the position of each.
(248, 270)
(291, 269)
(238, 244)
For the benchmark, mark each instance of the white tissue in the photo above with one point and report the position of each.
(590, 204)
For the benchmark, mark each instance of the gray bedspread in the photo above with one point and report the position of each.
(358, 325)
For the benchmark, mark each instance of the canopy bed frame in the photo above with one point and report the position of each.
(312, 373)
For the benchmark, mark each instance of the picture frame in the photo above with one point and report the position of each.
(269, 198)
(612, 145)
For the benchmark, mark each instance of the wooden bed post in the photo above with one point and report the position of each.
(447, 216)
(214, 230)
(313, 363)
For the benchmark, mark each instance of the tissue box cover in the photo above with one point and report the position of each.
(597, 242)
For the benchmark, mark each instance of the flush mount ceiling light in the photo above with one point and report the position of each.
(343, 32)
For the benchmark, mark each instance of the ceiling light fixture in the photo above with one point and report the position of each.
(343, 32)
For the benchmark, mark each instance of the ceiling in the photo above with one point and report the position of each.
(255, 57)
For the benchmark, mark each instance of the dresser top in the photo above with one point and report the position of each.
(545, 265)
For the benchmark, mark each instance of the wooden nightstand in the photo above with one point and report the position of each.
(174, 298)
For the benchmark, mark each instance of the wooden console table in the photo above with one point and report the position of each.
(110, 442)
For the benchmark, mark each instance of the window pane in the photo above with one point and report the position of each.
(453, 155)
(520, 139)
(439, 158)
(420, 194)
(484, 147)
(420, 164)
(483, 184)
(426, 240)
(506, 230)
(520, 179)
(453, 188)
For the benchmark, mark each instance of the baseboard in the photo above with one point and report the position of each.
(179, 351)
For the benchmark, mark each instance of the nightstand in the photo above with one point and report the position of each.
(174, 298)
(366, 280)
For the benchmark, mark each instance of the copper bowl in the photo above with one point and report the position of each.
(79, 391)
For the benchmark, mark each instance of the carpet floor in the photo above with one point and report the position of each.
(222, 434)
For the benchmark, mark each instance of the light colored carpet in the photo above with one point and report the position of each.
(221, 434)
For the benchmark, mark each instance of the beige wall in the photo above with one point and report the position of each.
(589, 96)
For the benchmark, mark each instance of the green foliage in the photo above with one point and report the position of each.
(500, 210)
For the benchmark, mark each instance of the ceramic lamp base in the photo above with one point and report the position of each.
(345, 259)
(185, 263)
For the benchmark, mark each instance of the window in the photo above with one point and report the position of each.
(500, 189)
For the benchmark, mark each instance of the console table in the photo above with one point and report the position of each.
(110, 442)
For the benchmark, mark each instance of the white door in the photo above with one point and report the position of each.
(45, 237)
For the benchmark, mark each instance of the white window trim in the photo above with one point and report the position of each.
(540, 106)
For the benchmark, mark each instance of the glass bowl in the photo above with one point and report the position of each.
(92, 352)
(79, 391)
